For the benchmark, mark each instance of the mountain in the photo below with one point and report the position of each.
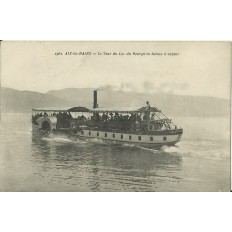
(77, 96)
(23, 101)
(171, 104)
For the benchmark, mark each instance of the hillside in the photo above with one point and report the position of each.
(76, 96)
(23, 101)
(168, 103)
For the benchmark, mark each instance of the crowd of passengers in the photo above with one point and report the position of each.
(64, 117)
(132, 118)
(116, 117)
(118, 121)
(109, 120)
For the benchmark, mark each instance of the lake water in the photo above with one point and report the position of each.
(200, 162)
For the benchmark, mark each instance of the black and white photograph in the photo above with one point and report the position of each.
(115, 116)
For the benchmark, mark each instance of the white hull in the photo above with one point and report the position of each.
(150, 141)
(136, 139)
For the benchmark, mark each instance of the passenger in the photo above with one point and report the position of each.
(97, 117)
(127, 123)
(116, 117)
(104, 117)
(111, 115)
(127, 118)
(148, 108)
(137, 117)
(82, 118)
(153, 116)
(107, 117)
(120, 121)
(147, 112)
(144, 117)
(70, 116)
(137, 125)
(65, 115)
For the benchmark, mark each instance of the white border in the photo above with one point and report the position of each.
(115, 212)
(116, 20)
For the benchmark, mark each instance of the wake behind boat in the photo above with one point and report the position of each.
(146, 126)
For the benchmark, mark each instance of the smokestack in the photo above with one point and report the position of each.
(95, 99)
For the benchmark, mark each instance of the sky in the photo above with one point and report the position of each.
(186, 68)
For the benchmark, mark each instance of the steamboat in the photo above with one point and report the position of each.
(146, 126)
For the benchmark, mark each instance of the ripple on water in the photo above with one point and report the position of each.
(63, 164)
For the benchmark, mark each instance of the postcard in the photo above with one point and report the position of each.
(115, 116)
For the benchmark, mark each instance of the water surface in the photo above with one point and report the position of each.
(200, 162)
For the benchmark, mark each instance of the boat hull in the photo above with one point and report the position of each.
(145, 145)
(144, 140)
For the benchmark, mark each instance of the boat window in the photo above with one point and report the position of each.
(151, 138)
(129, 137)
(121, 136)
(97, 133)
(165, 138)
(139, 137)
(89, 133)
(113, 135)
(82, 132)
(105, 134)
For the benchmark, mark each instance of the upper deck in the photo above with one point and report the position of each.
(108, 119)
(124, 110)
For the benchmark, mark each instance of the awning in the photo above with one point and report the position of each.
(124, 110)
(152, 109)
(79, 109)
(52, 109)
(62, 109)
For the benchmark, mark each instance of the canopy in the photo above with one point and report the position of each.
(152, 109)
(55, 109)
(126, 110)
(62, 109)
(113, 110)
(79, 109)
